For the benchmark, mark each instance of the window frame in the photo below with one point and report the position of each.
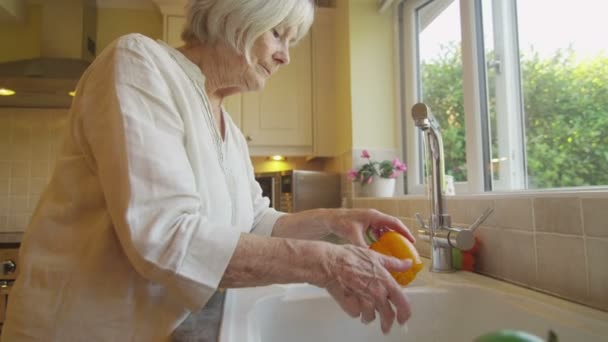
(472, 97)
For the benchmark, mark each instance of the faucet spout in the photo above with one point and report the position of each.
(442, 236)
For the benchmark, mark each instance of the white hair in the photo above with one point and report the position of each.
(240, 22)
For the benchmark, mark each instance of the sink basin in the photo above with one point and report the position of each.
(445, 307)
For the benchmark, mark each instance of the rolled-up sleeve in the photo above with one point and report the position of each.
(136, 144)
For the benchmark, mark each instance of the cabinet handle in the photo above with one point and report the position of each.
(249, 138)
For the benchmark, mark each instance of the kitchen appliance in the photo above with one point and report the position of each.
(66, 45)
(9, 253)
(297, 190)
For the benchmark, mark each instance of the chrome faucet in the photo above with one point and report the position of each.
(442, 236)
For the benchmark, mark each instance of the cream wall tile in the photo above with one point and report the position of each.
(5, 151)
(513, 213)
(558, 215)
(465, 211)
(19, 187)
(5, 169)
(518, 256)
(4, 207)
(19, 205)
(20, 168)
(11, 223)
(40, 169)
(387, 206)
(561, 265)
(595, 217)
(32, 202)
(457, 209)
(360, 203)
(421, 207)
(21, 221)
(4, 187)
(489, 257)
(37, 185)
(403, 208)
(597, 259)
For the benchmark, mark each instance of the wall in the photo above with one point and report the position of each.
(554, 243)
(366, 76)
(29, 141)
(372, 76)
(21, 41)
(344, 135)
(113, 23)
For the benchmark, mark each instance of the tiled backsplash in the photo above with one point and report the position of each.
(29, 139)
(554, 243)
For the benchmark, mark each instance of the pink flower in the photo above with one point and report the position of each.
(365, 154)
(393, 175)
(398, 165)
(369, 180)
(352, 175)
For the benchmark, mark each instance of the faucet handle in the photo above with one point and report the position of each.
(464, 239)
(421, 222)
(480, 219)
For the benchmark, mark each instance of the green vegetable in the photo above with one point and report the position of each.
(509, 336)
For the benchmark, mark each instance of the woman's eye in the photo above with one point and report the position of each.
(275, 33)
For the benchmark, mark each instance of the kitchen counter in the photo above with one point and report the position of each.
(202, 326)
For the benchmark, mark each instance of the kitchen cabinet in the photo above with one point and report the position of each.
(278, 119)
(295, 113)
(173, 25)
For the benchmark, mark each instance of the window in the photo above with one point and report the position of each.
(520, 89)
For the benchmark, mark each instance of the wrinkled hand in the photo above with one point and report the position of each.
(359, 280)
(351, 224)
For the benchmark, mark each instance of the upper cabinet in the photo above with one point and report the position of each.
(173, 29)
(295, 114)
(278, 119)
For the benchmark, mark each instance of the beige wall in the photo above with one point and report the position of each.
(372, 76)
(344, 136)
(113, 23)
(366, 76)
(21, 41)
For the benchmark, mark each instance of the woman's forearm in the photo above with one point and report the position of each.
(308, 225)
(259, 261)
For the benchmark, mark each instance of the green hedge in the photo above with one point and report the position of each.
(566, 116)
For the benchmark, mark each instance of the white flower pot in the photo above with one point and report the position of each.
(379, 187)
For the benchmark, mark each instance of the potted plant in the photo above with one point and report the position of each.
(377, 178)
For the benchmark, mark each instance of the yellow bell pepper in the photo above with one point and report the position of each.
(396, 245)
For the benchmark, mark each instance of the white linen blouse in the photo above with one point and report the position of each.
(144, 209)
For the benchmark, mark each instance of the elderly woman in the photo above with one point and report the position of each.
(153, 204)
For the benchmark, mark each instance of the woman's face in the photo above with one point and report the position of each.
(269, 52)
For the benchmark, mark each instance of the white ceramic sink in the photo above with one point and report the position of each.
(445, 307)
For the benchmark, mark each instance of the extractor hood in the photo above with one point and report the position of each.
(67, 46)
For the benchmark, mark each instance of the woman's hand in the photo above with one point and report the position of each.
(359, 280)
(351, 224)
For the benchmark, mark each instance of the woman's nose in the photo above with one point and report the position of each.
(282, 56)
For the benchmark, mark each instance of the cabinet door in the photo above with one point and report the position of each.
(174, 25)
(281, 114)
